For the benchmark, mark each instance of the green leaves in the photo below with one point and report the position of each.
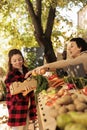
(42, 83)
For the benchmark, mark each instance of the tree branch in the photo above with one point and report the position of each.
(31, 10)
(36, 18)
(38, 8)
(50, 22)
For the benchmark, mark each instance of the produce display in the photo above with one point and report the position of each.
(61, 100)
(42, 83)
(65, 99)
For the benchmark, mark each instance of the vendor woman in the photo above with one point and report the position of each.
(78, 52)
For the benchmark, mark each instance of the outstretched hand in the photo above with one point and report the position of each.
(39, 70)
(28, 74)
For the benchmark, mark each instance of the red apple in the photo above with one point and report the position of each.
(84, 90)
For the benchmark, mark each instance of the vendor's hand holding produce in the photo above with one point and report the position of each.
(37, 71)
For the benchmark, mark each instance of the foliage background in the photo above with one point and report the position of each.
(17, 29)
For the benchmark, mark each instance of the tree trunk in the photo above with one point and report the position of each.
(49, 53)
(48, 49)
(43, 37)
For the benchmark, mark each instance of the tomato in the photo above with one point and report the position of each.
(84, 90)
(49, 103)
(70, 86)
(54, 99)
(52, 77)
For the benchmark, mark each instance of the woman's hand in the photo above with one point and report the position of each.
(39, 70)
(28, 74)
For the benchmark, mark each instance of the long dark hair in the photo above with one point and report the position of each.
(10, 54)
(81, 43)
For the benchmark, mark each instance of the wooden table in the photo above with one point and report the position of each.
(46, 122)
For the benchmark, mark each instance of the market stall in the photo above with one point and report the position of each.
(61, 99)
(63, 103)
(46, 122)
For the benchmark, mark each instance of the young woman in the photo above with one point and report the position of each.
(18, 105)
(78, 52)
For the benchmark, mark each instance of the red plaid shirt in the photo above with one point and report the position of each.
(18, 104)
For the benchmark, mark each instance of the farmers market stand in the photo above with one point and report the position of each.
(45, 117)
(46, 122)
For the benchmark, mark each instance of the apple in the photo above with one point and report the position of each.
(84, 90)
(53, 77)
(42, 71)
(34, 73)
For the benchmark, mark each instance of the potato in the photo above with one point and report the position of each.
(81, 106)
(85, 110)
(56, 106)
(76, 101)
(71, 107)
(62, 109)
(74, 96)
(65, 100)
(82, 99)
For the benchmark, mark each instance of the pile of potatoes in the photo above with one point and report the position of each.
(69, 103)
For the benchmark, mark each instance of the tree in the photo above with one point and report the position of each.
(43, 36)
(19, 19)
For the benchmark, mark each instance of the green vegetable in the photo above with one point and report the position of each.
(42, 83)
(75, 126)
(80, 118)
(63, 120)
(79, 82)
